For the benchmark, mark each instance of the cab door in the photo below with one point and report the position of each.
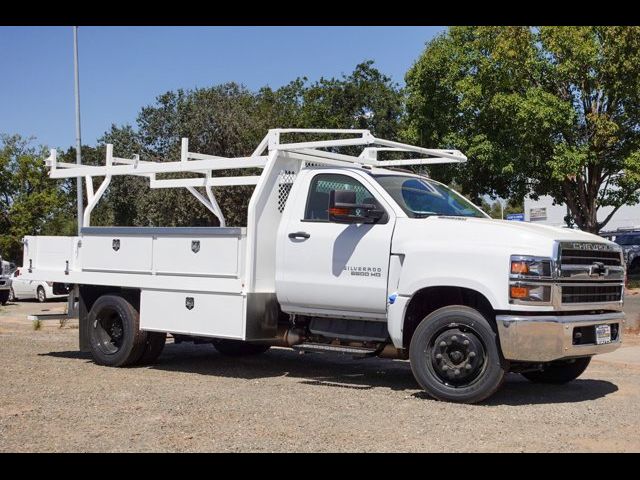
(334, 268)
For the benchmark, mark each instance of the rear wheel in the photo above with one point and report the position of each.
(559, 372)
(41, 295)
(115, 338)
(153, 347)
(454, 355)
(12, 295)
(4, 297)
(238, 348)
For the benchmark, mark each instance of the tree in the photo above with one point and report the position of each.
(541, 111)
(364, 99)
(30, 202)
(229, 120)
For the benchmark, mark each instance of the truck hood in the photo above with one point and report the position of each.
(517, 237)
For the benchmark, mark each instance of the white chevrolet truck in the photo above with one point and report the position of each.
(342, 253)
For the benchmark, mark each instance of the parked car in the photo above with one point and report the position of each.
(22, 289)
(629, 240)
(5, 281)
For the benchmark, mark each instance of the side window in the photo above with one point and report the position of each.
(322, 184)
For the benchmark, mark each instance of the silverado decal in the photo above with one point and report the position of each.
(364, 271)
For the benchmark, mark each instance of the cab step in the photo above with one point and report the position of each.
(340, 349)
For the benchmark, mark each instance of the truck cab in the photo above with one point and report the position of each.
(347, 255)
(552, 297)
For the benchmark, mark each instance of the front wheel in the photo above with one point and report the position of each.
(41, 295)
(559, 372)
(12, 295)
(455, 357)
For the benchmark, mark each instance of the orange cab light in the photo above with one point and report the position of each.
(519, 292)
(519, 268)
(339, 211)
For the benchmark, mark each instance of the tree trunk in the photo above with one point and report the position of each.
(583, 206)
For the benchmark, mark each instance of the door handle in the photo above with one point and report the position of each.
(304, 235)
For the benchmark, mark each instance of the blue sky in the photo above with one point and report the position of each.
(125, 68)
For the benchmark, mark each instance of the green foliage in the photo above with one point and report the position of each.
(549, 110)
(30, 202)
(494, 210)
(229, 120)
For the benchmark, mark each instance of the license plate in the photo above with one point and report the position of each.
(603, 334)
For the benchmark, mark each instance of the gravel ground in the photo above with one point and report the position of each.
(53, 398)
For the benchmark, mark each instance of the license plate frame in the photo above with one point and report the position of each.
(603, 334)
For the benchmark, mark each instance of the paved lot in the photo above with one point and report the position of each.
(53, 398)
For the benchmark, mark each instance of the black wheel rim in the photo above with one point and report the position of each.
(456, 356)
(109, 331)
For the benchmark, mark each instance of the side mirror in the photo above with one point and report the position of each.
(344, 209)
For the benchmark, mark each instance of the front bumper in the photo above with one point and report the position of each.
(551, 337)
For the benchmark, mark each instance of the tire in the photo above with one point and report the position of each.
(153, 347)
(559, 372)
(4, 297)
(455, 357)
(115, 338)
(12, 295)
(238, 348)
(41, 295)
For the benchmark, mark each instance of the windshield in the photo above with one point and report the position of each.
(421, 197)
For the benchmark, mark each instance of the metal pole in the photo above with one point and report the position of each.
(78, 141)
(501, 210)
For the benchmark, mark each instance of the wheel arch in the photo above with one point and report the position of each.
(429, 299)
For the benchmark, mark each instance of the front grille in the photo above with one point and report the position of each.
(591, 293)
(587, 257)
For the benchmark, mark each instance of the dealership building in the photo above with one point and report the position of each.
(544, 211)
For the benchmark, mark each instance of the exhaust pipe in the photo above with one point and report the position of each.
(288, 337)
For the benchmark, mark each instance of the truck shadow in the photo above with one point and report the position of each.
(332, 371)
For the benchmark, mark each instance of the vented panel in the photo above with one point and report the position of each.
(591, 293)
(285, 182)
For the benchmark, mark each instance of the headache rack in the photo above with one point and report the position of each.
(270, 148)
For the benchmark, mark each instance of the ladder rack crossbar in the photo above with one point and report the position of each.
(312, 151)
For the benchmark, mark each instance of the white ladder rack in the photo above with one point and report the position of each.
(206, 165)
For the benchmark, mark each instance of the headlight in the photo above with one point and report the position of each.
(530, 267)
(529, 280)
(530, 293)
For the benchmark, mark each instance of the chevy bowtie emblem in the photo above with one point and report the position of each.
(195, 246)
(115, 244)
(597, 269)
